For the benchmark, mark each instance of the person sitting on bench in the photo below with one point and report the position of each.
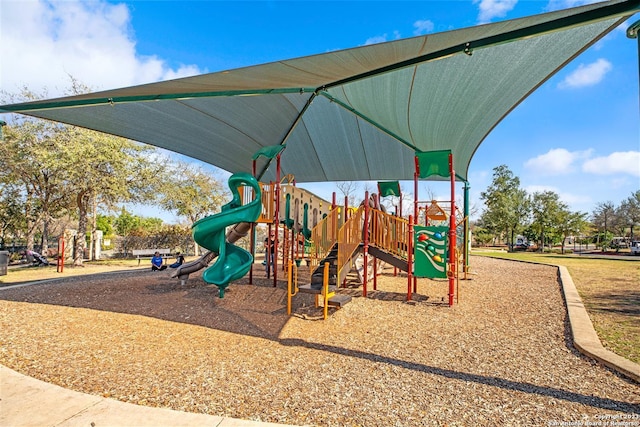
(156, 262)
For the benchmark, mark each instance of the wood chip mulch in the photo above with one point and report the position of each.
(501, 357)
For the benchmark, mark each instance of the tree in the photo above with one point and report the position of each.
(124, 224)
(192, 193)
(570, 224)
(104, 223)
(481, 235)
(349, 189)
(630, 211)
(106, 170)
(507, 205)
(29, 156)
(547, 211)
(76, 168)
(11, 215)
(602, 217)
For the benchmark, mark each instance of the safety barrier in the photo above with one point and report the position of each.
(349, 239)
(389, 233)
(323, 236)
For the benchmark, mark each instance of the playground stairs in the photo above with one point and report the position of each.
(317, 277)
(337, 300)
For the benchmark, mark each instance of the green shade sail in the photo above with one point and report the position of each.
(355, 114)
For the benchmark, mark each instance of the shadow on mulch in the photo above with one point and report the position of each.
(257, 309)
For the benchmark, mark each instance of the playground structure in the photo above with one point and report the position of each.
(328, 115)
(332, 240)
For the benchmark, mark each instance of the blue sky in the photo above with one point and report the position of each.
(578, 135)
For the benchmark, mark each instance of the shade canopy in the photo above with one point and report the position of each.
(350, 115)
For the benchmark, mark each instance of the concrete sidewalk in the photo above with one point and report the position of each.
(28, 402)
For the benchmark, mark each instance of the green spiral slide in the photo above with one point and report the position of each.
(233, 262)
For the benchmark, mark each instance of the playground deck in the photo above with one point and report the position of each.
(499, 357)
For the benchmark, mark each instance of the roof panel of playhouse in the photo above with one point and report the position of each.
(354, 114)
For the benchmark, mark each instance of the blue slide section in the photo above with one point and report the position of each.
(210, 232)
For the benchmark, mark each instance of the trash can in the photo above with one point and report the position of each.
(4, 262)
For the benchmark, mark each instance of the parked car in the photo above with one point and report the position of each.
(619, 243)
(635, 247)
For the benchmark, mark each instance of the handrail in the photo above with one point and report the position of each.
(389, 233)
(268, 202)
(323, 236)
(349, 238)
(287, 179)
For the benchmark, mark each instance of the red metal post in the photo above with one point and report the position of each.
(415, 190)
(365, 241)
(410, 258)
(395, 269)
(375, 274)
(252, 245)
(267, 251)
(276, 221)
(452, 232)
(345, 218)
(253, 232)
(346, 208)
(416, 217)
(334, 220)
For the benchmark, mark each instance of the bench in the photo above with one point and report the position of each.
(149, 253)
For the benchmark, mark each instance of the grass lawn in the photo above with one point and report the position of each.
(610, 291)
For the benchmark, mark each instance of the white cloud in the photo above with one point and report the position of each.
(570, 199)
(423, 27)
(557, 161)
(382, 38)
(490, 9)
(586, 75)
(45, 42)
(627, 162)
(376, 39)
(565, 4)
